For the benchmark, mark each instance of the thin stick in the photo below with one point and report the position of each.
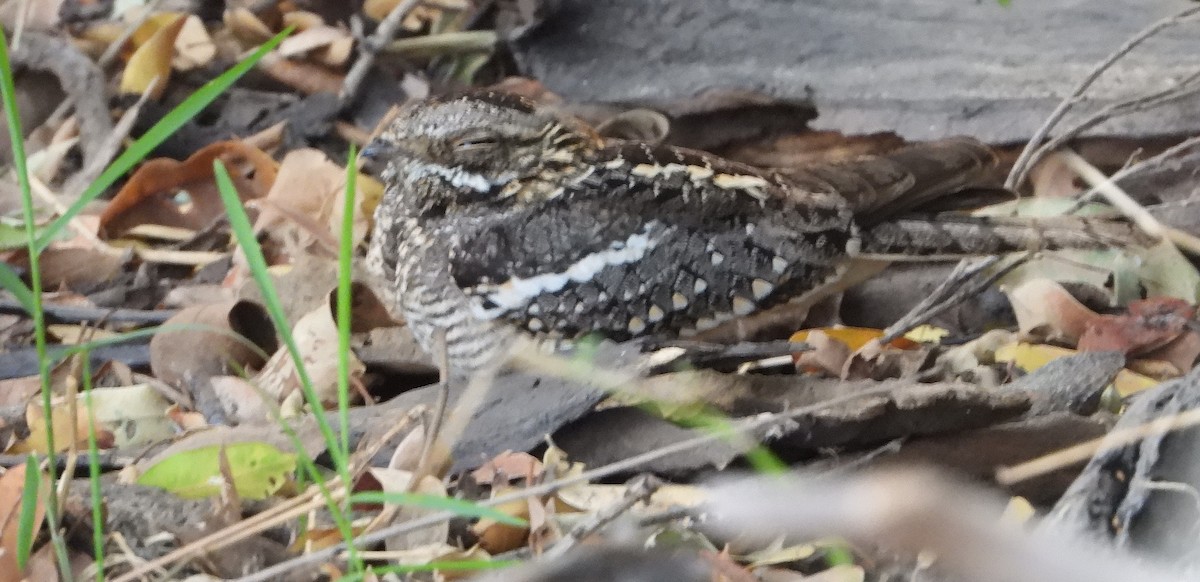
(761, 422)
(1105, 186)
(1020, 166)
(638, 490)
(1086, 450)
(370, 48)
(951, 292)
(108, 149)
(1179, 90)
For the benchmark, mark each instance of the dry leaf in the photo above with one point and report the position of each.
(507, 467)
(497, 537)
(304, 191)
(307, 78)
(202, 341)
(149, 197)
(1044, 307)
(316, 338)
(1150, 324)
(247, 27)
(11, 494)
(194, 48)
(149, 68)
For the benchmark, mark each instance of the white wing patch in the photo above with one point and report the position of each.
(517, 292)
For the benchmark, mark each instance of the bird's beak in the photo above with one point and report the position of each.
(374, 158)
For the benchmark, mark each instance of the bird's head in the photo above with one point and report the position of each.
(476, 148)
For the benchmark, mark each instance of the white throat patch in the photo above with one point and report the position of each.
(457, 177)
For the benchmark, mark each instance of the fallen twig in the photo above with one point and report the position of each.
(638, 490)
(80, 78)
(567, 369)
(75, 314)
(1021, 166)
(1181, 89)
(369, 49)
(951, 292)
(1107, 187)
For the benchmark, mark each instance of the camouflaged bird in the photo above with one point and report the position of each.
(499, 218)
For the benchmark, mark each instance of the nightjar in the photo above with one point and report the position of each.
(500, 218)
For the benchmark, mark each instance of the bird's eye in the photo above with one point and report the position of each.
(471, 143)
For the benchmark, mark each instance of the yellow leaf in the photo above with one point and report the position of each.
(258, 470)
(927, 334)
(854, 337)
(1030, 357)
(152, 61)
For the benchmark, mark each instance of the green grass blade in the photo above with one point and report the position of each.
(447, 565)
(168, 125)
(244, 232)
(257, 263)
(20, 164)
(458, 507)
(29, 496)
(94, 471)
(12, 283)
(345, 264)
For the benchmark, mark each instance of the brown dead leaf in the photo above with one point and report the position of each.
(149, 195)
(507, 467)
(301, 199)
(878, 362)
(193, 45)
(80, 267)
(194, 48)
(367, 312)
(1042, 306)
(496, 537)
(246, 27)
(207, 345)
(316, 41)
(307, 78)
(828, 354)
(11, 484)
(316, 338)
(1180, 353)
(18, 391)
(149, 69)
(1150, 324)
(79, 262)
(68, 432)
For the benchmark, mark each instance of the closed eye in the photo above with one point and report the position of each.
(473, 143)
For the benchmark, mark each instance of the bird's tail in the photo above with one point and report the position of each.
(959, 236)
(878, 187)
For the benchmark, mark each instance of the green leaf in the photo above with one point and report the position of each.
(258, 470)
(12, 283)
(1164, 271)
(458, 507)
(1042, 207)
(13, 236)
(168, 125)
(29, 510)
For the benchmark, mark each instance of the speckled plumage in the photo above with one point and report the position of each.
(499, 218)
